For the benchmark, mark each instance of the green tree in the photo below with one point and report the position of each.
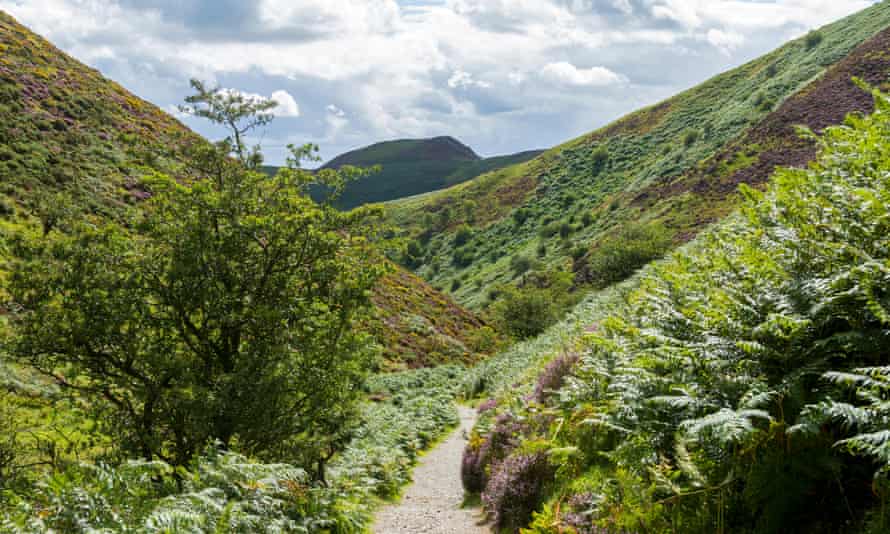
(228, 316)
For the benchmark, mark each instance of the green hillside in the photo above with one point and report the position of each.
(672, 168)
(729, 388)
(411, 167)
(74, 143)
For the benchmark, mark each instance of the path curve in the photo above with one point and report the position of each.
(432, 504)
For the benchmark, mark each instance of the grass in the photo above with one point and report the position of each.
(656, 169)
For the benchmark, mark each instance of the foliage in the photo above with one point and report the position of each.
(515, 488)
(745, 377)
(649, 176)
(219, 321)
(618, 255)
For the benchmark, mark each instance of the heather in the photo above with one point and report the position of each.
(744, 378)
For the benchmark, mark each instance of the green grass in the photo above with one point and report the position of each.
(646, 150)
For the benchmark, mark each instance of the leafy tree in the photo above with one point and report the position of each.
(228, 316)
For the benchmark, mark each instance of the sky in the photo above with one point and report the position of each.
(500, 75)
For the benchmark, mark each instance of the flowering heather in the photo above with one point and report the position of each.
(553, 376)
(578, 515)
(504, 436)
(490, 404)
(515, 489)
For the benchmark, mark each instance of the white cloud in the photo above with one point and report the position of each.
(501, 74)
(725, 41)
(287, 106)
(334, 110)
(565, 73)
(461, 80)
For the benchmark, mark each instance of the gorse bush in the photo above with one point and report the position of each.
(746, 377)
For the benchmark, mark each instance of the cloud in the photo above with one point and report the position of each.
(462, 80)
(725, 41)
(565, 73)
(502, 75)
(287, 106)
(334, 110)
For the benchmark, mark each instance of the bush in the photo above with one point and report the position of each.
(690, 137)
(463, 235)
(550, 230)
(542, 250)
(516, 488)
(553, 376)
(813, 39)
(617, 256)
(482, 453)
(565, 230)
(525, 312)
(455, 285)
(463, 257)
(520, 264)
(520, 216)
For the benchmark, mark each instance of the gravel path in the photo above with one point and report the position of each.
(432, 504)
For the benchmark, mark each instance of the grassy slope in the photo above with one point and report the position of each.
(742, 119)
(413, 166)
(64, 127)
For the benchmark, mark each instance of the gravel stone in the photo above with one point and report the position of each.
(432, 504)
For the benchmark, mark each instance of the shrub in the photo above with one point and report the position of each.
(484, 340)
(7, 209)
(520, 264)
(599, 157)
(463, 235)
(413, 255)
(565, 230)
(587, 218)
(617, 256)
(515, 489)
(482, 453)
(813, 39)
(520, 216)
(463, 257)
(526, 312)
(690, 137)
(455, 285)
(550, 230)
(553, 376)
(542, 250)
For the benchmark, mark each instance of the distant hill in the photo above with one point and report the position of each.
(411, 167)
(65, 129)
(676, 164)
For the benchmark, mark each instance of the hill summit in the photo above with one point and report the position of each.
(442, 148)
(413, 166)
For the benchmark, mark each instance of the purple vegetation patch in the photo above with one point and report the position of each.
(553, 376)
(516, 488)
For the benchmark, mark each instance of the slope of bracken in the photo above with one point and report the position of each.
(676, 163)
(64, 128)
(775, 141)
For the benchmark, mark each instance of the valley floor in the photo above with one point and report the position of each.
(432, 504)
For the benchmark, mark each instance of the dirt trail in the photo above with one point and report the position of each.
(432, 503)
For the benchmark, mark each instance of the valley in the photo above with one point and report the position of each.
(677, 322)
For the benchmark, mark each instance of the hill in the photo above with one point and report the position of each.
(413, 166)
(74, 141)
(673, 167)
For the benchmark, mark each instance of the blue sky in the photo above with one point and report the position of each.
(501, 75)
